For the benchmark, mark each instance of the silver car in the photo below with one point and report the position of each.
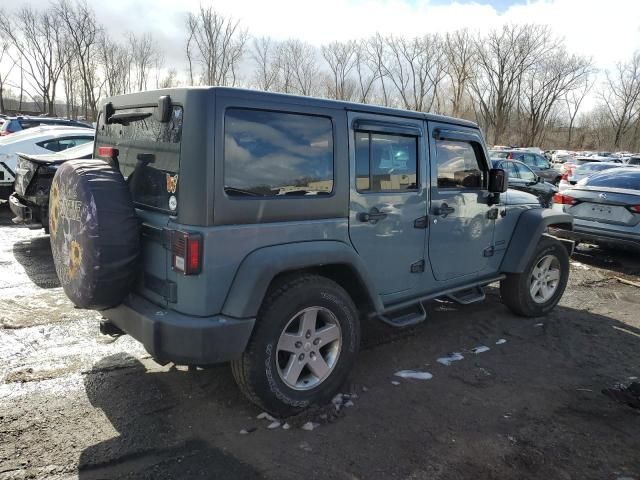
(588, 169)
(605, 208)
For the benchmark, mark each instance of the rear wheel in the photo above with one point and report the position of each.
(538, 289)
(304, 344)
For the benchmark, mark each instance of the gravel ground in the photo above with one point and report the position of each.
(74, 404)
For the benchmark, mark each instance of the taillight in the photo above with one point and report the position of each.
(563, 199)
(565, 177)
(509, 156)
(186, 252)
(107, 152)
(635, 208)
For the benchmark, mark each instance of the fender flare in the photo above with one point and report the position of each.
(530, 227)
(261, 266)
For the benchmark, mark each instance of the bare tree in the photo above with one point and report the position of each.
(416, 69)
(341, 58)
(84, 32)
(545, 83)
(502, 58)
(573, 99)
(460, 53)
(621, 96)
(263, 53)
(376, 58)
(367, 77)
(39, 38)
(170, 80)
(145, 56)
(115, 61)
(298, 67)
(217, 44)
(4, 74)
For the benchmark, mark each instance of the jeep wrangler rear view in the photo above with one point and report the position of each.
(217, 224)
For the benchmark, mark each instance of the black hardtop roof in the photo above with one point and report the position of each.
(178, 94)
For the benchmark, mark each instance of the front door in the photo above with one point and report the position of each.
(461, 219)
(388, 200)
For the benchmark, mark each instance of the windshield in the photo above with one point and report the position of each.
(148, 154)
(627, 178)
(594, 167)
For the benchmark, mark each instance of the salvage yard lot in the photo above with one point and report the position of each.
(74, 404)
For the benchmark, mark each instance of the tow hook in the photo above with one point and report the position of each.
(107, 327)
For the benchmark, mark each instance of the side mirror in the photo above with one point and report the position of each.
(498, 181)
(163, 113)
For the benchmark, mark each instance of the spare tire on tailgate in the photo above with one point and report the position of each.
(94, 233)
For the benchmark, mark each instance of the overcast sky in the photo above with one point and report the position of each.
(606, 30)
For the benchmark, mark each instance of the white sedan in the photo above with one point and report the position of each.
(36, 140)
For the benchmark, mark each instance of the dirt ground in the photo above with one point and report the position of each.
(74, 404)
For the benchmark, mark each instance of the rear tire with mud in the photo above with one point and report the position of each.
(537, 290)
(305, 341)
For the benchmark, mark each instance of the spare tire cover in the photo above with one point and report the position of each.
(94, 233)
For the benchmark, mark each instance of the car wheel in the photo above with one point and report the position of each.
(538, 289)
(304, 343)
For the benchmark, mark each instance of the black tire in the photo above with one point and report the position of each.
(515, 290)
(94, 233)
(257, 373)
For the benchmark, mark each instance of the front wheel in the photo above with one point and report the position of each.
(305, 341)
(537, 290)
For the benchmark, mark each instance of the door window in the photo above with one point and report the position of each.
(459, 165)
(511, 169)
(526, 174)
(385, 162)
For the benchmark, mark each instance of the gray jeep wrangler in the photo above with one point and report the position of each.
(218, 224)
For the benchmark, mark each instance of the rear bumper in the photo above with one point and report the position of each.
(169, 336)
(583, 234)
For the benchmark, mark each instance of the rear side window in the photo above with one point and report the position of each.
(386, 162)
(617, 178)
(60, 144)
(273, 154)
(148, 153)
(459, 165)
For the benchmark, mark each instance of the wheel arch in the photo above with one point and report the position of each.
(531, 225)
(266, 266)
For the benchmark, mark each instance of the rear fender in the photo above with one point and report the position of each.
(260, 267)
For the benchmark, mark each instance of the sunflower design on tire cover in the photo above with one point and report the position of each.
(75, 259)
(54, 209)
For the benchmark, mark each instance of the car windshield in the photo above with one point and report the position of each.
(627, 178)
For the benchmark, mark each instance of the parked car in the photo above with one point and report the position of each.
(605, 208)
(30, 201)
(521, 177)
(633, 160)
(538, 163)
(17, 124)
(265, 240)
(36, 141)
(589, 168)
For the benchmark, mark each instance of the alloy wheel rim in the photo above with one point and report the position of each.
(308, 348)
(545, 278)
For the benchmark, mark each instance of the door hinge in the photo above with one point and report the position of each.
(422, 222)
(492, 214)
(489, 251)
(417, 267)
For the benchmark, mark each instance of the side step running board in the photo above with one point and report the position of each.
(406, 317)
(468, 295)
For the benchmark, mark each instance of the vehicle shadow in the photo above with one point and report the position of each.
(153, 441)
(35, 257)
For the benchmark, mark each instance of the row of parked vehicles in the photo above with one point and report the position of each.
(601, 190)
(218, 224)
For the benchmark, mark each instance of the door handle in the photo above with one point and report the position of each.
(443, 210)
(373, 216)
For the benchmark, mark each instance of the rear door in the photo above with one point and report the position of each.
(461, 220)
(388, 201)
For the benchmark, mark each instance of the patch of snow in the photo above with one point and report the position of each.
(309, 426)
(265, 416)
(453, 357)
(480, 349)
(393, 382)
(274, 425)
(414, 374)
(501, 341)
